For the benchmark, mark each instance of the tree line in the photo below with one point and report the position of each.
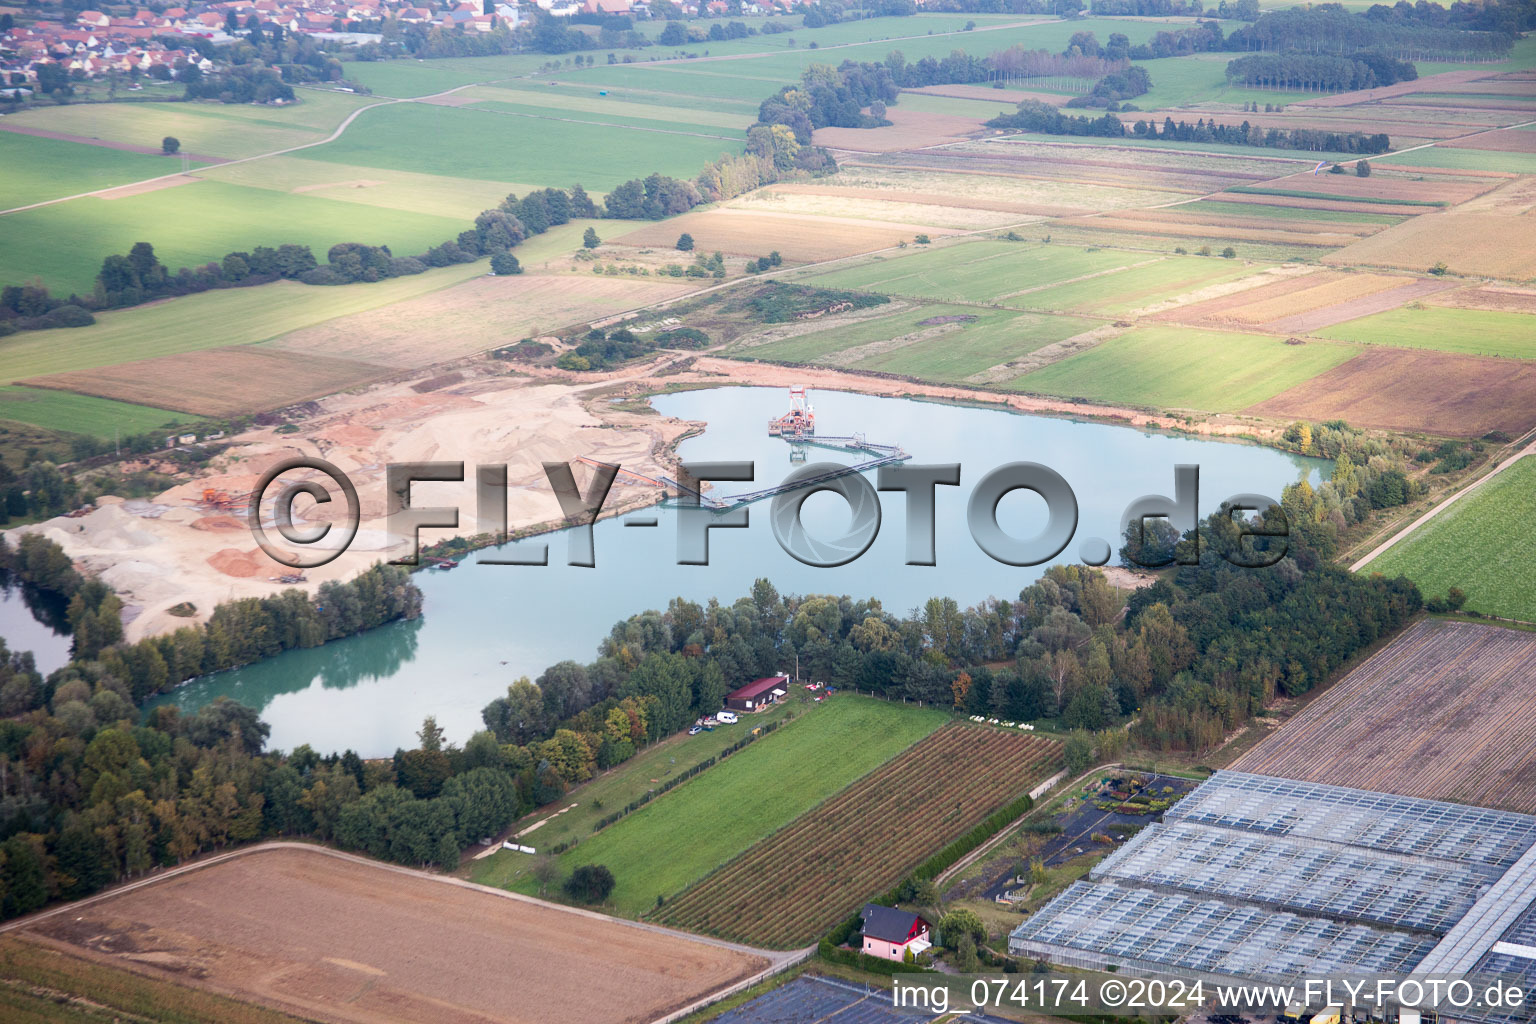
(1463, 32)
(1034, 116)
(237, 632)
(1303, 72)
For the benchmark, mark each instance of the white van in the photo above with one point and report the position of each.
(728, 717)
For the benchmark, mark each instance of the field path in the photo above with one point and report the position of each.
(1528, 450)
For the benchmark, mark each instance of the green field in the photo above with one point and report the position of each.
(1293, 193)
(632, 108)
(976, 271)
(231, 316)
(613, 789)
(80, 414)
(1136, 287)
(204, 128)
(1199, 78)
(955, 356)
(457, 198)
(195, 224)
(1183, 368)
(931, 351)
(468, 143)
(1481, 544)
(735, 135)
(1465, 159)
(1294, 213)
(39, 168)
(1446, 329)
(686, 833)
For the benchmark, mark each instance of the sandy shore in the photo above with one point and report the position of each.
(177, 549)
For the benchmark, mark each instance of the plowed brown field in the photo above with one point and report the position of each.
(219, 381)
(341, 939)
(1439, 713)
(1412, 389)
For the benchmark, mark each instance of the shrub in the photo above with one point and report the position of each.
(685, 242)
(504, 263)
(590, 883)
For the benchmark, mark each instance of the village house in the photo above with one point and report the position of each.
(890, 934)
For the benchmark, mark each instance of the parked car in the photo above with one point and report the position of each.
(695, 730)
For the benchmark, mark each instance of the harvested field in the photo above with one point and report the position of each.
(1429, 83)
(338, 938)
(1469, 243)
(1416, 390)
(1501, 142)
(1365, 305)
(938, 199)
(1440, 713)
(477, 315)
(1311, 293)
(1491, 297)
(752, 233)
(909, 129)
(1515, 197)
(219, 381)
(864, 840)
(1268, 300)
(1004, 160)
(1209, 293)
(1381, 186)
(883, 208)
(907, 171)
(986, 92)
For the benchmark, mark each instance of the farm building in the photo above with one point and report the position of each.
(1253, 877)
(758, 694)
(889, 933)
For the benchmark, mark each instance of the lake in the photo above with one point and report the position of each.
(486, 625)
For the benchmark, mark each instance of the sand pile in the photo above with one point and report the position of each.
(220, 523)
(234, 562)
(111, 529)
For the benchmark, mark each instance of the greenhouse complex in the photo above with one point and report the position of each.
(1259, 878)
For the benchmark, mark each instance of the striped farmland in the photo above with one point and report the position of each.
(794, 885)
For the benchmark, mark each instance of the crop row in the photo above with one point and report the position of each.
(798, 882)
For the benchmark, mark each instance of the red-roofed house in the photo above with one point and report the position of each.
(758, 694)
(889, 933)
(93, 18)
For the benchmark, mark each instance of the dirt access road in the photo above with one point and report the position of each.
(1525, 452)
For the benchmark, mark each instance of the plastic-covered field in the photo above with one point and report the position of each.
(814, 1000)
